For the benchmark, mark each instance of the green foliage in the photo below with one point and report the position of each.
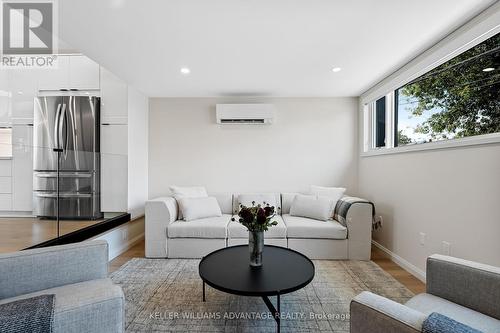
(466, 97)
(403, 139)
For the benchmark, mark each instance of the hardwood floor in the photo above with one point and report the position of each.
(379, 257)
(136, 251)
(17, 233)
(405, 278)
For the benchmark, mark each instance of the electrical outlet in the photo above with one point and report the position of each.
(422, 238)
(124, 234)
(446, 247)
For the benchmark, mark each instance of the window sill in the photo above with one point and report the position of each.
(486, 139)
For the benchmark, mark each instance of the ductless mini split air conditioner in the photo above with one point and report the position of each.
(245, 114)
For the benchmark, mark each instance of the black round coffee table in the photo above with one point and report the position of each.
(283, 271)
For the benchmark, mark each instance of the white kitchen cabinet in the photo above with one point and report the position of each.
(5, 185)
(5, 109)
(6, 202)
(55, 78)
(23, 87)
(114, 106)
(83, 73)
(5, 180)
(114, 139)
(5, 167)
(22, 167)
(114, 168)
(72, 72)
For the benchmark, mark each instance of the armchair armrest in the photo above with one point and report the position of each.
(38, 269)
(473, 285)
(160, 213)
(371, 313)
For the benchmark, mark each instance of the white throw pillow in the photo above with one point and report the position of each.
(187, 192)
(199, 208)
(334, 193)
(311, 206)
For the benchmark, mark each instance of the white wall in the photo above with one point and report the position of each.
(450, 194)
(138, 107)
(313, 141)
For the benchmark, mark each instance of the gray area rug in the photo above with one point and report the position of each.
(165, 295)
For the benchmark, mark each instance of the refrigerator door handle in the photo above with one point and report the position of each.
(63, 175)
(60, 122)
(56, 127)
(64, 195)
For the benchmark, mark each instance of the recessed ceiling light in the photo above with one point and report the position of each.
(185, 70)
(336, 69)
(488, 69)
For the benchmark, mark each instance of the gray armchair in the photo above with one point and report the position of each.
(465, 291)
(85, 299)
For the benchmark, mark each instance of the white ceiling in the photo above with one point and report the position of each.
(258, 47)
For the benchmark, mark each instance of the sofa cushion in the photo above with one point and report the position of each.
(427, 303)
(211, 227)
(334, 193)
(237, 230)
(302, 227)
(91, 306)
(331, 192)
(198, 208)
(225, 201)
(273, 199)
(286, 201)
(187, 192)
(312, 206)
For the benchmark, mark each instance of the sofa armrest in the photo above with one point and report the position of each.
(371, 313)
(160, 213)
(473, 285)
(33, 270)
(359, 220)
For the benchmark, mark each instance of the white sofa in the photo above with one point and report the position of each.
(169, 237)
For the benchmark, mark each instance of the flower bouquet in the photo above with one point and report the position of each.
(256, 219)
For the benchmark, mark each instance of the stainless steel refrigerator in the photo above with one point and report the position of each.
(66, 138)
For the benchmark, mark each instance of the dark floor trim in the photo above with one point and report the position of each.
(86, 233)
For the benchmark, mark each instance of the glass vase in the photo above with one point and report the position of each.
(255, 246)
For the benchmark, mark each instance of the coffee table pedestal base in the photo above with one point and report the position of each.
(276, 312)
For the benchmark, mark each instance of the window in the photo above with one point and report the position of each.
(460, 98)
(380, 122)
(457, 99)
(5, 142)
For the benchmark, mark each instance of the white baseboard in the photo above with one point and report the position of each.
(136, 213)
(405, 264)
(125, 246)
(123, 237)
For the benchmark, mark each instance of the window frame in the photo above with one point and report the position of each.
(469, 38)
